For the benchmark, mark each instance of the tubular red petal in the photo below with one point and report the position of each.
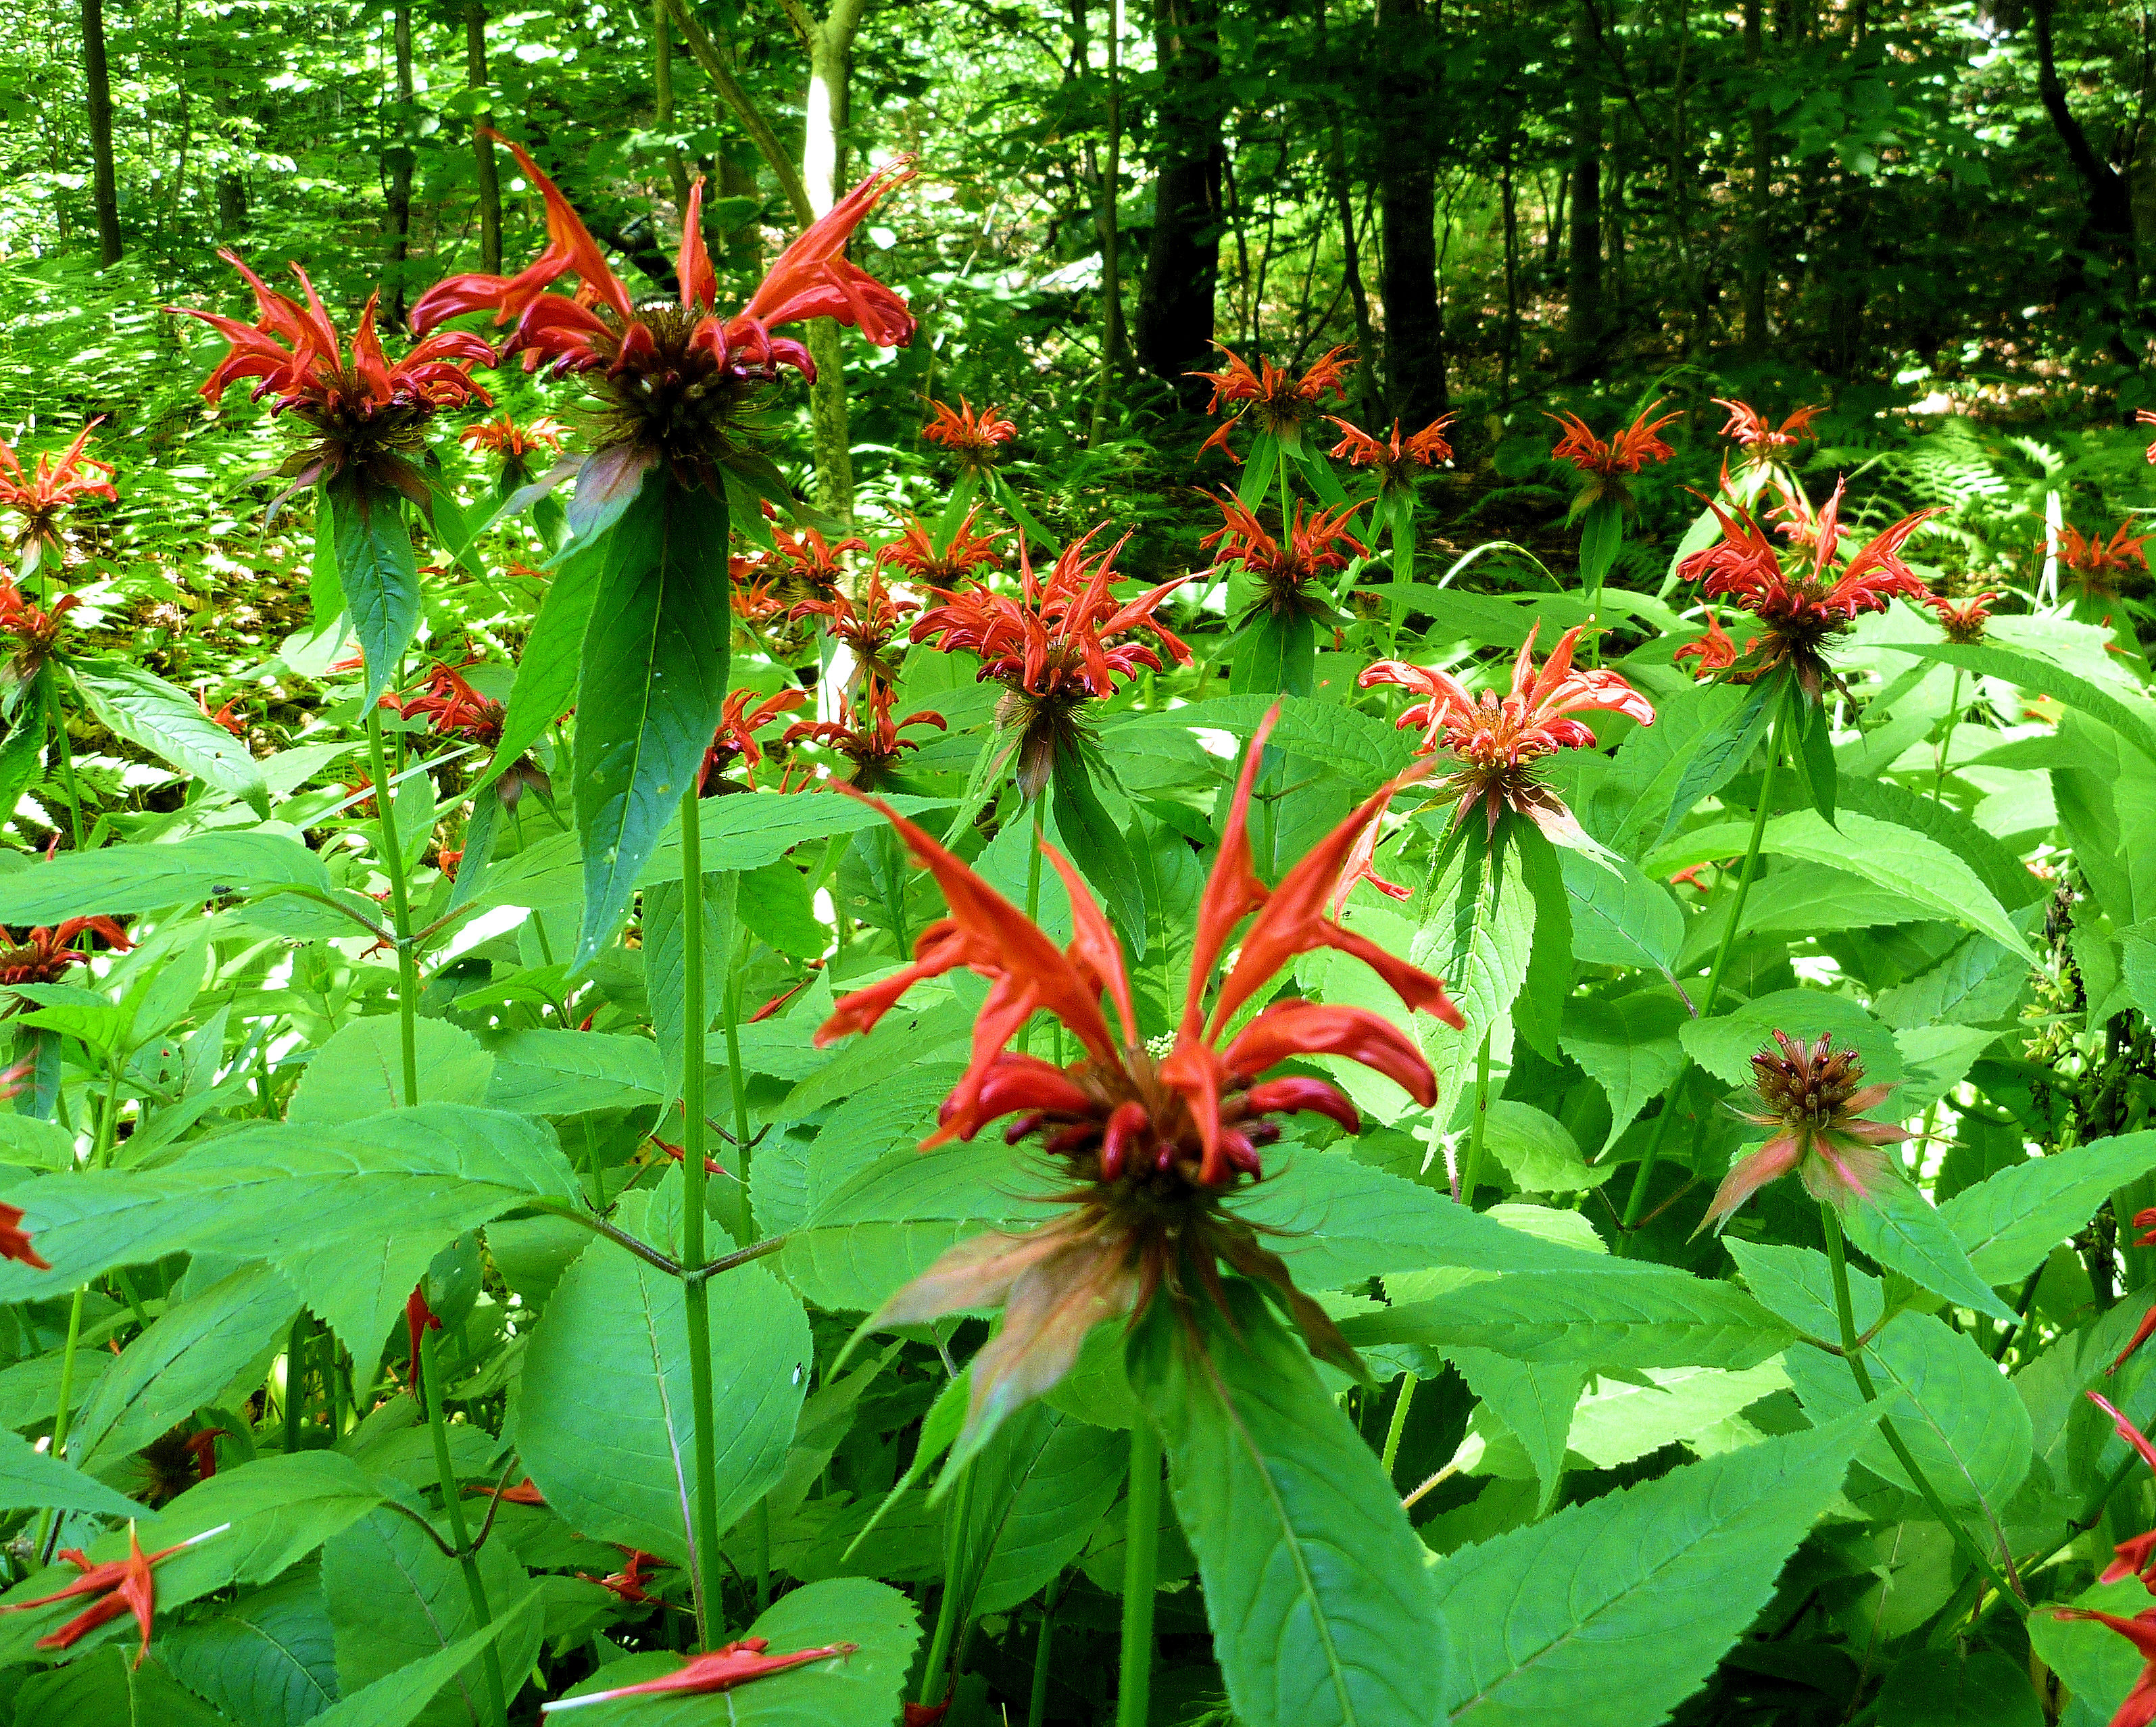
(2126, 1429)
(1295, 1094)
(1127, 1126)
(1233, 891)
(1093, 943)
(1310, 1028)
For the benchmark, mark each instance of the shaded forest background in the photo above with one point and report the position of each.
(1912, 211)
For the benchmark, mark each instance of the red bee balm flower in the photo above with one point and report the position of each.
(867, 626)
(1605, 463)
(738, 1663)
(1714, 650)
(736, 738)
(1150, 1144)
(1800, 598)
(871, 742)
(511, 443)
(126, 1585)
(2139, 1708)
(971, 437)
(2098, 564)
(525, 1493)
(1053, 646)
(1496, 741)
(366, 413)
(14, 1239)
(2144, 417)
(1290, 577)
(37, 630)
(1763, 444)
(452, 708)
(41, 498)
(628, 1582)
(807, 565)
(1811, 1097)
(2134, 1558)
(1962, 620)
(42, 955)
(1394, 460)
(914, 550)
(1271, 400)
(673, 381)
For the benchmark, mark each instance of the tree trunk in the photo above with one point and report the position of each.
(1762, 162)
(1583, 311)
(822, 144)
(2106, 192)
(1407, 214)
(662, 91)
(401, 158)
(104, 186)
(1106, 216)
(489, 181)
(1508, 199)
(1172, 329)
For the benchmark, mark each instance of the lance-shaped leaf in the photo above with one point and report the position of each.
(135, 703)
(33, 1480)
(653, 679)
(1612, 1612)
(116, 879)
(2007, 1223)
(1322, 1608)
(379, 572)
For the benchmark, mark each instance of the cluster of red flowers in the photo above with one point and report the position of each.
(867, 626)
(1497, 740)
(36, 631)
(2133, 1558)
(865, 733)
(42, 955)
(915, 551)
(1271, 400)
(511, 443)
(1395, 459)
(673, 380)
(40, 497)
(1801, 599)
(1764, 444)
(1061, 641)
(2099, 563)
(366, 412)
(1290, 576)
(451, 707)
(735, 739)
(972, 437)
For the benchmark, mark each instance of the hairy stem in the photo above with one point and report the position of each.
(1470, 1172)
(453, 1506)
(696, 1295)
(1141, 1567)
(400, 912)
(1036, 1707)
(1391, 1455)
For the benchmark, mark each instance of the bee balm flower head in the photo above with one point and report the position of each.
(1814, 1098)
(42, 497)
(1271, 400)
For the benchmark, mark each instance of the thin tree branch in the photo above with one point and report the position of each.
(705, 53)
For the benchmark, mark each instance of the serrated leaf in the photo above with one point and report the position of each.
(1628, 1046)
(1321, 1606)
(1535, 1401)
(1618, 916)
(1641, 1318)
(604, 1409)
(1961, 1688)
(1960, 1417)
(378, 571)
(1718, 753)
(135, 703)
(359, 1071)
(1798, 1283)
(119, 879)
(396, 1699)
(2044, 677)
(2008, 1223)
(31, 1479)
(1724, 1046)
(268, 1659)
(1899, 1228)
(1612, 1612)
(106, 1690)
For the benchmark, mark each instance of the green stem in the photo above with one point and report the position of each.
(1637, 1202)
(936, 1678)
(1402, 577)
(704, 1580)
(295, 1377)
(1140, 1570)
(1400, 1423)
(738, 1081)
(1946, 738)
(400, 910)
(65, 750)
(1033, 897)
(452, 1504)
(1470, 1172)
(67, 1393)
(1036, 1706)
(1853, 1351)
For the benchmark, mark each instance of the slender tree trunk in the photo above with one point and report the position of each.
(1172, 328)
(1583, 313)
(1367, 395)
(1762, 162)
(662, 87)
(831, 55)
(2108, 227)
(489, 181)
(1407, 207)
(1107, 216)
(104, 185)
(1508, 199)
(400, 154)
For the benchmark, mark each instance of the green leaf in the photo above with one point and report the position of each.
(1899, 1228)
(1724, 1046)
(604, 1411)
(378, 571)
(546, 686)
(1964, 1688)
(861, 1690)
(1618, 916)
(2092, 1661)
(1321, 1606)
(1642, 1319)
(1717, 755)
(1480, 939)
(359, 1071)
(666, 966)
(1612, 1612)
(119, 879)
(394, 1598)
(558, 1073)
(1539, 1008)
(1812, 758)
(2044, 677)
(31, 1479)
(1601, 534)
(349, 1215)
(268, 1659)
(1358, 747)
(106, 1690)
(1534, 1401)
(652, 682)
(135, 703)
(2009, 880)
(1629, 808)
(1039, 1488)
(1628, 1046)
(2008, 1223)
(280, 1507)
(397, 1698)
(1962, 1420)
(188, 1355)
(1097, 847)
(1271, 655)
(1538, 1151)
(1797, 1283)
